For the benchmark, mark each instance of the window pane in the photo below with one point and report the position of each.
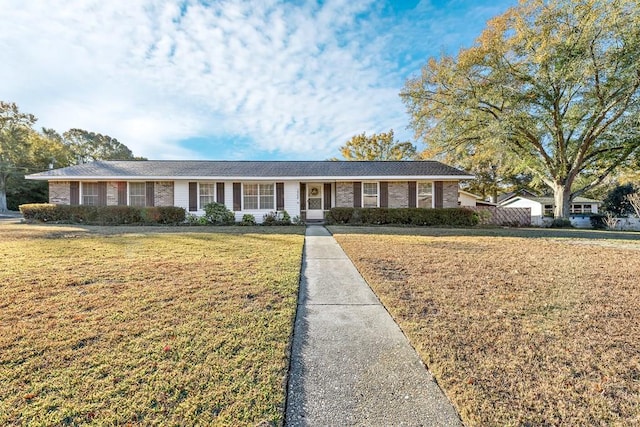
(137, 194)
(370, 189)
(266, 202)
(250, 199)
(370, 195)
(266, 196)
(206, 193)
(425, 195)
(266, 189)
(90, 193)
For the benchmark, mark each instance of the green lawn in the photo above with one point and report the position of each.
(147, 326)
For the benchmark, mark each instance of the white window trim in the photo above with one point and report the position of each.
(129, 191)
(260, 209)
(200, 205)
(377, 192)
(81, 191)
(433, 199)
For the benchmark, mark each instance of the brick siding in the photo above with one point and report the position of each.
(344, 194)
(450, 194)
(163, 193)
(398, 194)
(59, 192)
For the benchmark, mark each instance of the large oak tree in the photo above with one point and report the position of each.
(554, 84)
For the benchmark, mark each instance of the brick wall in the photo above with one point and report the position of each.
(344, 194)
(450, 194)
(59, 192)
(398, 194)
(163, 193)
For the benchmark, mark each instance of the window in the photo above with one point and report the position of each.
(137, 194)
(425, 195)
(370, 195)
(206, 193)
(548, 210)
(90, 193)
(577, 209)
(259, 196)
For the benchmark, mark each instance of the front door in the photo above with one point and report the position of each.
(314, 201)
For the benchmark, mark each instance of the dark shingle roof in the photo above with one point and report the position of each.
(151, 169)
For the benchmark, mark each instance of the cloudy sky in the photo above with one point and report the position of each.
(226, 79)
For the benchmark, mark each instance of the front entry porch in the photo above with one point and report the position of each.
(315, 199)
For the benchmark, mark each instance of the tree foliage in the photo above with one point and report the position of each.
(85, 146)
(617, 201)
(24, 150)
(553, 86)
(377, 146)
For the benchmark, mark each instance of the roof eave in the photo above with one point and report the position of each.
(246, 178)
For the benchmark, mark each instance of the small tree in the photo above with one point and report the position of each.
(634, 201)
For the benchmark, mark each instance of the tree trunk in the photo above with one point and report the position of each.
(3, 193)
(562, 200)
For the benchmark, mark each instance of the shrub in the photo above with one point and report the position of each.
(248, 219)
(168, 215)
(218, 214)
(44, 212)
(561, 223)
(285, 219)
(597, 221)
(340, 215)
(102, 215)
(276, 218)
(453, 217)
(270, 218)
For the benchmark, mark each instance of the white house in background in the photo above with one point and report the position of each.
(542, 207)
(303, 188)
(470, 200)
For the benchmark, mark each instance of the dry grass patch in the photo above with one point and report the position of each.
(518, 331)
(173, 328)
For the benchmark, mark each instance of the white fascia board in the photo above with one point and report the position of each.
(255, 178)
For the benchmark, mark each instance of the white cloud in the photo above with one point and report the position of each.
(295, 78)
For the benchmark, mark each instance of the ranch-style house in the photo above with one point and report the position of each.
(303, 188)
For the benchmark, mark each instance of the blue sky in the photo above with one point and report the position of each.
(227, 79)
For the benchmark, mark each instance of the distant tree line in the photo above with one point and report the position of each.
(25, 149)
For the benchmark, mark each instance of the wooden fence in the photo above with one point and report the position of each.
(511, 217)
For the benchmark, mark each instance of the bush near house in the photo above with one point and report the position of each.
(103, 215)
(452, 217)
(218, 214)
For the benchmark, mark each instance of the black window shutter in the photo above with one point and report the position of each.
(413, 196)
(438, 194)
(122, 193)
(220, 192)
(74, 193)
(357, 194)
(237, 196)
(193, 196)
(279, 196)
(102, 194)
(303, 196)
(150, 194)
(384, 194)
(327, 196)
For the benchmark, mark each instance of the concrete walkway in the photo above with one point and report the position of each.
(351, 364)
